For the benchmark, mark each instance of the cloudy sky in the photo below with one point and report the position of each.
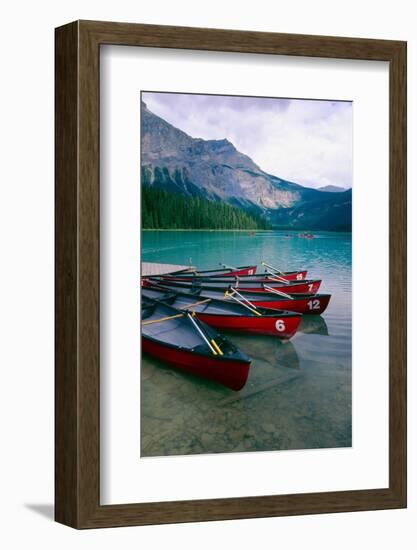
(305, 141)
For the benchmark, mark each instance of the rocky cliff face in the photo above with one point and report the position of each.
(214, 169)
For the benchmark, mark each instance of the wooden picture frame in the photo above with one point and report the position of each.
(77, 404)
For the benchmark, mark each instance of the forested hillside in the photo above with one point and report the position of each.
(164, 210)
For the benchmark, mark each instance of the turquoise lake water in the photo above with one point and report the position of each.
(298, 395)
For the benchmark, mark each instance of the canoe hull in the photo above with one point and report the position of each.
(297, 276)
(295, 287)
(305, 304)
(251, 270)
(282, 327)
(310, 287)
(242, 271)
(248, 274)
(311, 305)
(229, 372)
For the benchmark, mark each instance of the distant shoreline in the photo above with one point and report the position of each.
(215, 230)
(255, 230)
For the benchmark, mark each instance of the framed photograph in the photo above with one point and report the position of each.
(230, 274)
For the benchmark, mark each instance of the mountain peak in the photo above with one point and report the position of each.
(221, 144)
(332, 189)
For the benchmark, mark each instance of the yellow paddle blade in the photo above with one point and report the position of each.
(216, 347)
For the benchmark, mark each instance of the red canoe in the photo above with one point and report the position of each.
(230, 315)
(227, 271)
(300, 303)
(309, 286)
(260, 277)
(190, 345)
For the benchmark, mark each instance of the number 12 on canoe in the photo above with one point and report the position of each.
(313, 304)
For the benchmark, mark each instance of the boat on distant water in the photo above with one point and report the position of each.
(302, 303)
(185, 342)
(236, 314)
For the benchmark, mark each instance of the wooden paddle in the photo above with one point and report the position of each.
(242, 301)
(213, 346)
(275, 291)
